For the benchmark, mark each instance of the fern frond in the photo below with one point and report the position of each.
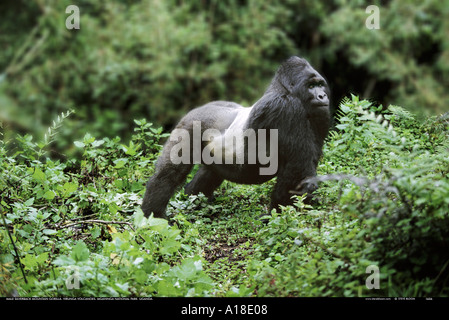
(53, 129)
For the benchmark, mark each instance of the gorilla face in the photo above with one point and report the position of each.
(312, 89)
(300, 80)
(317, 92)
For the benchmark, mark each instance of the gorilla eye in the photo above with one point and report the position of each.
(316, 84)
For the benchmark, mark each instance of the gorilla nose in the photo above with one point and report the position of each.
(322, 98)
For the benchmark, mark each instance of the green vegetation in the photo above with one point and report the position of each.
(71, 185)
(74, 227)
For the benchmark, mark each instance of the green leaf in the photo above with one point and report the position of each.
(187, 269)
(342, 126)
(49, 195)
(119, 183)
(166, 289)
(42, 258)
(139, 219)
(169, 246)
(155, 224)
(120, 163)
(131, 149)
(29, 202)
(70, 187)
(80, 252)
(49, 231)
(38, 175)
(29, 261)
(140, 276)
(95, 232)
(140, 122)
(79, 144)
(113, 207)
(97, 143)
(88, 139)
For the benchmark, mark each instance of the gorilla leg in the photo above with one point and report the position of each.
(205, 181)
(288, 180)
(281, 193)
(161, 187)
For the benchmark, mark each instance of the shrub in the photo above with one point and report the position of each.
(74, 228)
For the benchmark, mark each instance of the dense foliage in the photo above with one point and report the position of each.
(156, 59)
(74, 227)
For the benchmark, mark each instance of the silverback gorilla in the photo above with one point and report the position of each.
(291, 120)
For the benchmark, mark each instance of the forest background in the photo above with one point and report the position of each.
(152, 59)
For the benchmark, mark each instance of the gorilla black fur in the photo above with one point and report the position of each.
(296, 103)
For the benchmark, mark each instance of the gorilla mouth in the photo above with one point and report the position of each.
(320, 105)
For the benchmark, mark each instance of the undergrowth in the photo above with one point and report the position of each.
(73, 227)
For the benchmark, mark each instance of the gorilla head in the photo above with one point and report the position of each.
(281, 136)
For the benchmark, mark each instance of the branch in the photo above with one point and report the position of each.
(95, 221)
